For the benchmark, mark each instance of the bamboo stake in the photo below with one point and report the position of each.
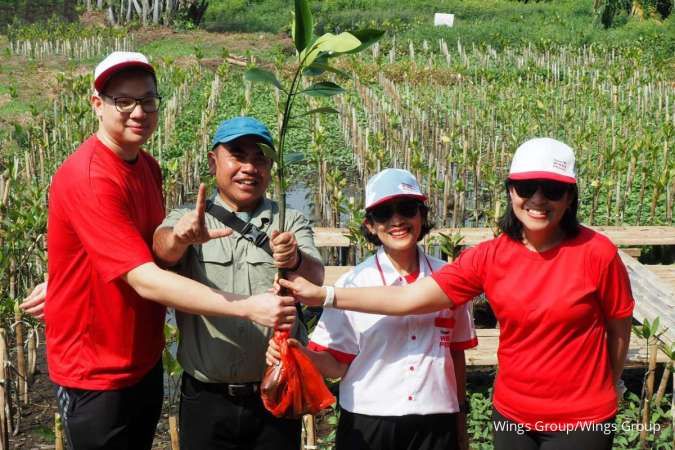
(20, 355)
(173, 432)
(58, 433)
(32, 353)
(650, 391)
(664, 382)
(4, 432)
(310, 431)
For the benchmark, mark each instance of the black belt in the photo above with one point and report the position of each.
(229, 389)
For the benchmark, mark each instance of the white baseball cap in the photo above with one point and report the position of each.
(545, 159)
(117, 61)
(391, 183)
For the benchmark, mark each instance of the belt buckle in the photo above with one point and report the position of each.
(240, 390)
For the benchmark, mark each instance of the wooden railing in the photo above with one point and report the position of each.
(653, 286)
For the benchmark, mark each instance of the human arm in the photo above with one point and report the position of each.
(175, 291)
(34, 304)
(324, 361)
(618, 339)
(422, 296)
(169, 243)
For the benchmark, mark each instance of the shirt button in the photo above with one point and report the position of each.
(412, 368)
(413, 337)
(410, 397)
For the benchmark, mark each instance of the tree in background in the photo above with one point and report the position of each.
(146, 12)
(607, 10)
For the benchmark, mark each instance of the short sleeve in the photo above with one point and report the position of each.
(463, 279)
(304, 234)
(334, 332)
(102, 219)
(614, 290)
(464, 333)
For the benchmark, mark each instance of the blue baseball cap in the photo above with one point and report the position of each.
(234, 128)
(392, 183)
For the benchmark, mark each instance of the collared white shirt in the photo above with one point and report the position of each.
(400, 365)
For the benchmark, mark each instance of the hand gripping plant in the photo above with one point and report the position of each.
(295, 387)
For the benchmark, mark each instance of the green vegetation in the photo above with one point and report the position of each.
(499, 23)
(450, 104)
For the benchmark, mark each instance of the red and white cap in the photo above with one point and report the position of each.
(117, 61)
(543, 159)
(389, 184)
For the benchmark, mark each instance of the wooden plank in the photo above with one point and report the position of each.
(660, 235)
(635, 252)
(653, 297)
(629, 236)
(335, 272)
(485, 354)
(666, 273)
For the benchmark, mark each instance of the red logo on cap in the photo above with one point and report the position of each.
(560, 165)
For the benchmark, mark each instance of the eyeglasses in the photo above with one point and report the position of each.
(552, 190)
(405, 208)
(148, 104)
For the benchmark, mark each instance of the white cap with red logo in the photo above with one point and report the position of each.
(544, 159)
(391, 183)
(117, 61)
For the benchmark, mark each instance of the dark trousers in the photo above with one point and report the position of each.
(212, 418)
(410, 432)
(512, 436)
(123, 419)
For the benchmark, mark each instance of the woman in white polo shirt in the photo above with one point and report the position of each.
(562, 298)
(402, 381)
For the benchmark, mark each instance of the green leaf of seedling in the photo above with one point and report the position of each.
(294, 157)
(303, 25)
(655, 326)
(262, 76)
(268, 151)
(323, 89)
(330, 45)
(367, 37)
(323, 110)
(319, 66)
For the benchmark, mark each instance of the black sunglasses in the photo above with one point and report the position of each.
(405, 208)
(552, 190)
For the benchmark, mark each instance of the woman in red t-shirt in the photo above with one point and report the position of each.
(562, 298)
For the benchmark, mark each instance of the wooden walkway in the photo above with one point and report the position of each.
(621, 236)
(653, 286)
(485, 354)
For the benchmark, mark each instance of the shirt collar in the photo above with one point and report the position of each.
(261, 217)
(389, 272)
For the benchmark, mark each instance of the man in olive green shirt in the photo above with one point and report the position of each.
(224, 358)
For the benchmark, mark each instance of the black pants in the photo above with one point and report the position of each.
(411, 432)
(512, 436)
(212, 419)
(123, 419)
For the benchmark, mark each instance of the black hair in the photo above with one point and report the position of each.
(373, 239)
(127, 72)
(513, 228)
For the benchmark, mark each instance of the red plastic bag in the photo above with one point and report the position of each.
(294, 387)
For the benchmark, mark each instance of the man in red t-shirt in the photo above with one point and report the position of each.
(106, 303)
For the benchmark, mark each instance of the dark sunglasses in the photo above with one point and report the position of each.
(552, 190)
(405, 208)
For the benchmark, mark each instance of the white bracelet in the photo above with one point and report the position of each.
(329, 301)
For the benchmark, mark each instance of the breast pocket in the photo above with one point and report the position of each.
(215, 258)
(261, 269)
